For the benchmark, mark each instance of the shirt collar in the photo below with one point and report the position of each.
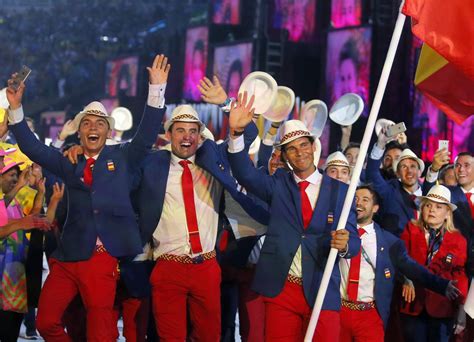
(175, 159)
(314, 178)
(466, 191)
(94, 157)
(369, 229)
(417, 192)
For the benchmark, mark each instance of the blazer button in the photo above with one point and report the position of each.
(303, 236)
(96, 211)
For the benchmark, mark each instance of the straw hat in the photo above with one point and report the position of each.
(292, 130)
(315, 114)
(123, 118)
(408, 154)
(184, 113)
(336, 159)
(440, 194)
(94, 108)
(263, 86)
(347, 109)
(283, 105)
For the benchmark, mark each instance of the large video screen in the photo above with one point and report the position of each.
(297, 16)
(195, 61)
(346, 13)
(348, 64)
(226, 12)
(231, 64)
(121, 77)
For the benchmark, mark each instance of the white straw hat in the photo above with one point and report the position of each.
(408, 154)
(183, 113)
(336, 159)
(440, 194)
(347, 109)
(292, 130)
(282, 106)
(263, 86)
(94, 108)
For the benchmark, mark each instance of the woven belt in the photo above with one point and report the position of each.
(184, 259)
(295, 280)
(358, 306)
(100, 249)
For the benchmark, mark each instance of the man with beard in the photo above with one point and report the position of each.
(101, 224)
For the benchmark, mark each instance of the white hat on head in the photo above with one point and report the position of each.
(183, 113)
(94, 108)
(123, 118)
(315, 114)
(282, 106)
(347, 109)
(408, 154)
(336, 159)
(440, 194)
(292, 130)
(263, 86)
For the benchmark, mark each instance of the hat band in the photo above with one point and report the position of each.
(183, 117)
(95, 112)
(293, 134)
(438, 197)
(337, 163)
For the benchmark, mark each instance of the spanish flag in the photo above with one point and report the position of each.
(445, 72)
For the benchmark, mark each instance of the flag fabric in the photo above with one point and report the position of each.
(445, 72)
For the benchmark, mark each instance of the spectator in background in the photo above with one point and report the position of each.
(234, 79)
(447, 175)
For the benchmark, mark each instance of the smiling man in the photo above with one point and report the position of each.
(101, 225)
(305, 207)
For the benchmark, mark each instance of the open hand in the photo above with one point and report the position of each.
(408, 292)
(159, 71)
(58, 192)
(69, 128)
(241, 113)
(452, 292)
(440, 158)
(212, 92)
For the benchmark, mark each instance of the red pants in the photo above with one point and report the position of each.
(95, 280)
(251, 308)
(287, 317)
(179, 289)
(135, 315)
(361, 326)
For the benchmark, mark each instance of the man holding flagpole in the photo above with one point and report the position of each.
(305, 208)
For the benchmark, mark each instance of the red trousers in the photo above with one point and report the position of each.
(95, 280)
(135, 315)
(251, 308)
(179, 290)
(361, 326)
(287, 317)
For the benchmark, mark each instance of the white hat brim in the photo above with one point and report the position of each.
(451, 205)
(347, 109)
(282, 106)
(78, 118)
(320, 118)
(263, 86)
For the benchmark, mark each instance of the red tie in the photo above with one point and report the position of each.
(305, 203)
(471, 205)
(189, 206)
(354, 272)
(88, 171)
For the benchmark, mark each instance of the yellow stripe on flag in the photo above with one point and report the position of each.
(429, 63)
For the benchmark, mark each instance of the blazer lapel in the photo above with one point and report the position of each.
(296, 198)
(382, 254)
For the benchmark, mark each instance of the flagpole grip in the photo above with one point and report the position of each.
(374, 111)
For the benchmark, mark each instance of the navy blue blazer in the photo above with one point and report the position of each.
(397, 209)
(393, 258)
(105, 209)
(286, 232)
(463, 220)
(211, 157)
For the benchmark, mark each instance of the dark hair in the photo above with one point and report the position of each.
(463, 154)
(236, 66)
(199, 46)
(392, 145)
(351, 145)
(349, 51)
(444, 169)
(311, 140)
(371, 189)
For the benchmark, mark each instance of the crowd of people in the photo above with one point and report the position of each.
(178, 238)
(55, 48)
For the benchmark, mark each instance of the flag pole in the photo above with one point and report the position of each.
(374, 111)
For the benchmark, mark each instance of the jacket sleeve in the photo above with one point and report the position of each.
(414, 271)
(47, 157)
(264, 155)
(373, 175)
(354, 239)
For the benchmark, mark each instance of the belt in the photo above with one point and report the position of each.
(358, 306)
(100, 249)
(295, 280)
(184, 259)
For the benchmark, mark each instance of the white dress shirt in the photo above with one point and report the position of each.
(171, 235)
(365, 291)
(312, 191)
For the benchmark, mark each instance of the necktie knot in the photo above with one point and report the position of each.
(361, 231)
(90, 162)
(303, 185)
(184, 163)
(88, 171)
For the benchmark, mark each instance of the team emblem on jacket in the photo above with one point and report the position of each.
(110, 165)
(388, 275)
(330, 217)
(449, 258)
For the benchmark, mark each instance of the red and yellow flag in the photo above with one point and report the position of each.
(445, 72)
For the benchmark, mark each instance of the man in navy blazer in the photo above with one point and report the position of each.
(304, 211)
(383, 259)
(398, 195)
(101, 224)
